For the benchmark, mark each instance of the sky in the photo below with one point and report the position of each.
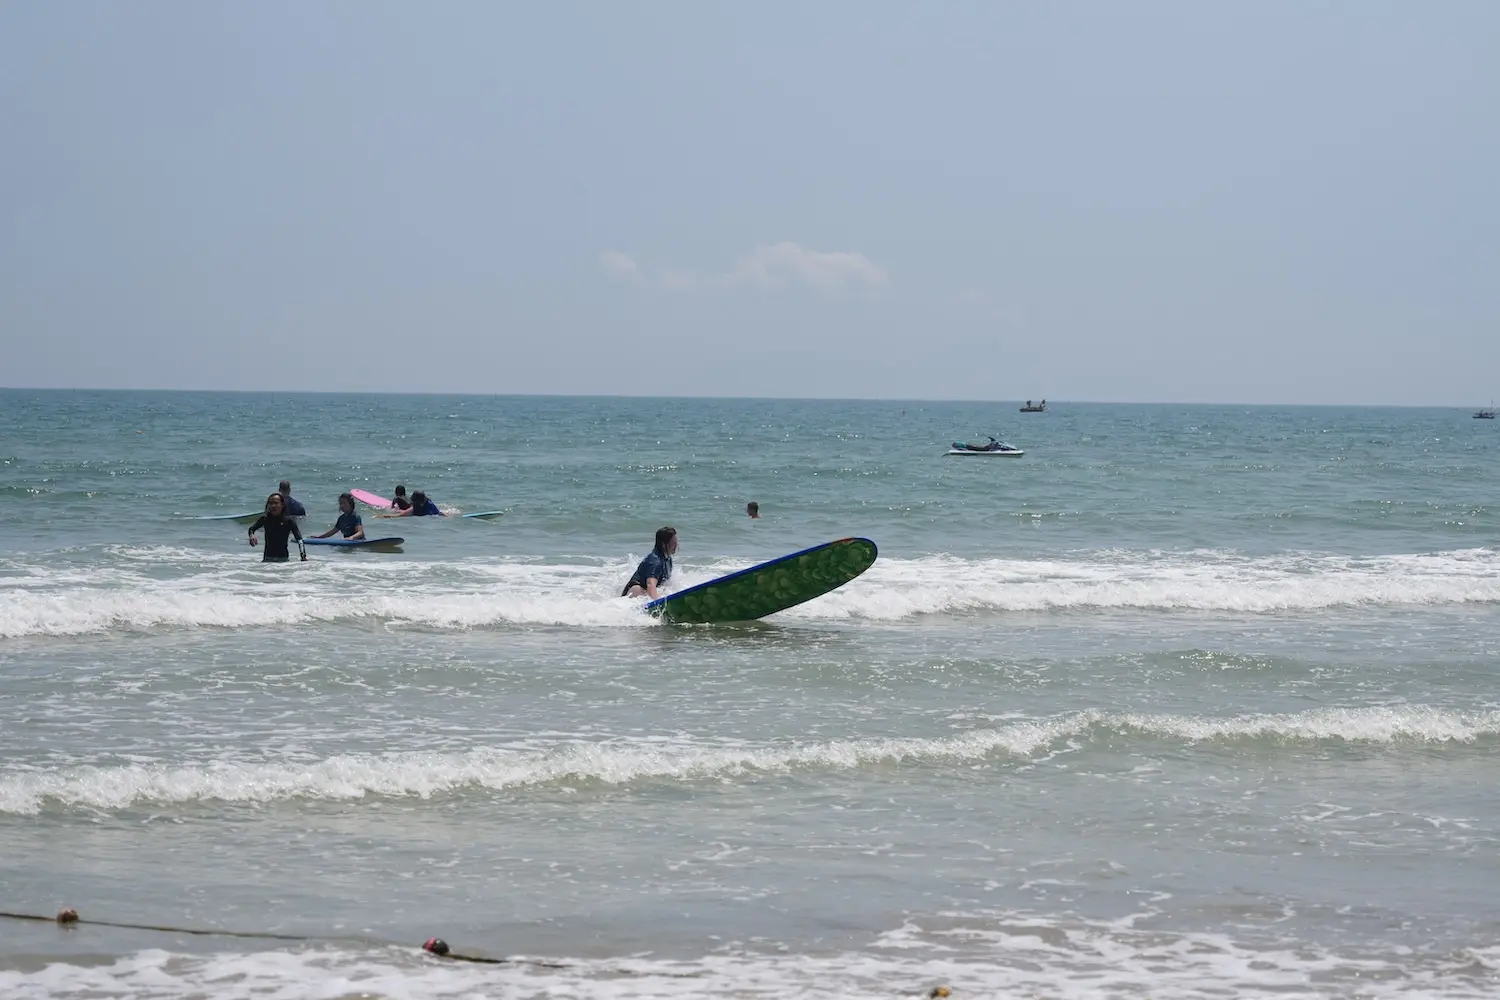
(1270, 202)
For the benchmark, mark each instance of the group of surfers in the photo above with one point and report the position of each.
(279, 519)
(279, 522)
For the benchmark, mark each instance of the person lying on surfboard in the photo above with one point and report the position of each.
(399, 501)
(420, 507)
(655, 569)
(278, 525)
(349, 523)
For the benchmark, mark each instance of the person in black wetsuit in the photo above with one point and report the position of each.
(278, 526)
(655, 568)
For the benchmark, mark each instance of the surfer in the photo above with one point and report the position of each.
(278, 525)
(655, 569)
(420, 506)
(349, 523)
(289, 503)
(399, 501)
(753, 509)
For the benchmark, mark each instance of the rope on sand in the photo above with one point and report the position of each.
(436, 947)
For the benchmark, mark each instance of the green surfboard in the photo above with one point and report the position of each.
(769, 587)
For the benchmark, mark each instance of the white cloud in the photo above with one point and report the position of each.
(785, 264)
(620, 265)
(677, 280)
(972, 296)
(770, 268)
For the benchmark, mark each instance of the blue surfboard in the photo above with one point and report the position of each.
(369, 544)
(771, 586)
(484, 514)
(241, 518)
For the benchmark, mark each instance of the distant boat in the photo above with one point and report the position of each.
(1031, 407)
(1486, 414)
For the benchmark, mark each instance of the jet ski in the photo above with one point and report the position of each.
(991, 447)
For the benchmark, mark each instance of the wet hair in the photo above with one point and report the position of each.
(277, 498)
(401, 491)
(418, 498)
(752, 507)
(664, 538)
(346, 496)
(285, 486)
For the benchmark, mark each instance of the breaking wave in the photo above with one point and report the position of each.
(428, 773)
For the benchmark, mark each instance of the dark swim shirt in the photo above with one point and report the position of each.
(654, 567)
(431, 510)
(347, 523)
(277, 530)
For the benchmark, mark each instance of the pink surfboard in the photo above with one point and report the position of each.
(364, 496)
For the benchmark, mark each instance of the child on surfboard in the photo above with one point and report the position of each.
(349, 523)
(655, 569)
(420, 507)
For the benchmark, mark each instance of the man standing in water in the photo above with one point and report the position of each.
(292, 506)
(655, 569)
(753, 509)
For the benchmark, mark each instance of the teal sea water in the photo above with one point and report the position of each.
(1187, 702)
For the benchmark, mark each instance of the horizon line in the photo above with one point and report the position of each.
(747, 398)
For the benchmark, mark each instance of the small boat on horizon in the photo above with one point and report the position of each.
(1486, 414)
(1031, 407)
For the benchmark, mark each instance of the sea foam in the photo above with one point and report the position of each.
(216, 592)
(428, 773)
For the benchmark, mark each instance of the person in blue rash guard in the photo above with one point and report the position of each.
(289, 503)
(278, 526)
(420, 507)
(655, 569)
(349, 524)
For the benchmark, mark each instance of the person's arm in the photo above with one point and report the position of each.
(297, 534)
(359, 530)
(259, 521)
(326, 533)
(399, 513)
(656, 574)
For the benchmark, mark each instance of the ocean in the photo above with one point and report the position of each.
(1187, 702)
